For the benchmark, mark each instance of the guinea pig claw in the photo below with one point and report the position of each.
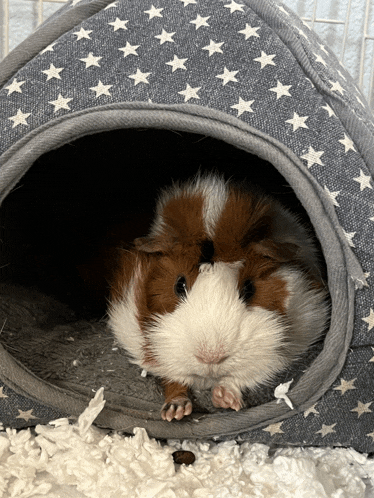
(224, 398)
(176, 409)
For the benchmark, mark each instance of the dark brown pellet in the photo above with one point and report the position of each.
(186, 457)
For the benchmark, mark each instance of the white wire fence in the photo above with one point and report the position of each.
(346, 26)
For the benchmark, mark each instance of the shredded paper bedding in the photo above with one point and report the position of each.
(74, 460)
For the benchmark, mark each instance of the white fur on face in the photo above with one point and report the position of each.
(212, 323)
(215, 193)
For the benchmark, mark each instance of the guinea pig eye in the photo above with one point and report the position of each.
(247, 291)
(180, 287)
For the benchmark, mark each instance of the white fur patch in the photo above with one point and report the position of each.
(307, 308)
(215, 193)
(213, 319)
(124, 323)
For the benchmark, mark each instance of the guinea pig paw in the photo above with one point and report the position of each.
(176, 408)
(224, 398)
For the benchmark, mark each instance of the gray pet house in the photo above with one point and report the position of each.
(102, 106)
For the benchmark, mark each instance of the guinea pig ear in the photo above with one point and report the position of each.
(150, 245)
(281, 252)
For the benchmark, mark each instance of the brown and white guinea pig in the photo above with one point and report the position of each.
(224, 293)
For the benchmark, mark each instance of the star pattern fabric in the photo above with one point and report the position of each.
(224, 56)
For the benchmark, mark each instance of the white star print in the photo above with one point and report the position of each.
(60, 103)
(274, 429)
(139, 77)
(281, 8)
(345, 385)
(362, 408)
(333, 196)
(281, 90)
(2, 395)
(101, 89)
(329, 110)
(177, 63)
(336, 87)
(53, 72)
(200, 21)
(321, 60)
(359, 101)
(348, 143)
(15, 86)
(49, 48)
(369, 320)
(313, 157)
(26, 415)
(129, 49)
(372, 358)
(227, 76)
(233, 6)
(188, 2)
(298, 121)
(91, 60)
(111, 5)
(190, 93)
(322, 47)
(153, 12)
(371, 434)
(118, 24)
(214, 48)
(349, 236)
(243, 106)
(83, 33)
(265, 60)
(326, 429)
(310, 410)
(20, 118)
(250, 31)
(165, 37)
(301, 33)
(363, 180)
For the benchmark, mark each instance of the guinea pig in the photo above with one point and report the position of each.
(224, 292)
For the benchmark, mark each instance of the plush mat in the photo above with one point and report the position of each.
(62, 460)
(81, 355)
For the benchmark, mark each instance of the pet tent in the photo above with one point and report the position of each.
(102, 106)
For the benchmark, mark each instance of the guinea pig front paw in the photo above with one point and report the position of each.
(224, 398)
(176, 408)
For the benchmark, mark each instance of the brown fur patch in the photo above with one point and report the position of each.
(135, 265)
(154, 290)
(161, 279)
(270, 291)
(183, 216)
(183, 231)
(174, 390)
(122, 274)
(244, 220)
(271, 294)
(244, 234)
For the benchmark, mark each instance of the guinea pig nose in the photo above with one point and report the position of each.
(211, 357)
